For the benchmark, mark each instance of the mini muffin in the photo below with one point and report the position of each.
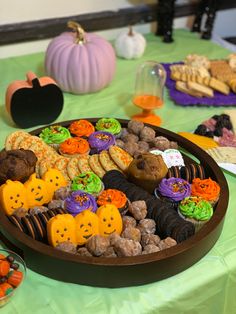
(99, 141)
(88, 182)
(115, 197)
(74, 147)
(79, 201)
(196, 210)
(81, 128)
(110, 125)
(54, 135)
(147, 170)
(207, 189)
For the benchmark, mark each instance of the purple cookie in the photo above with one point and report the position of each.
(174, 188)
(79, 201)
(100, 141)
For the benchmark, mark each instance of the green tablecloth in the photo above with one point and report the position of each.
(209, 286)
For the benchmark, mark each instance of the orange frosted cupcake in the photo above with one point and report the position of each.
(81, 128)
(207, 189)
(115, 197)
(74, 147)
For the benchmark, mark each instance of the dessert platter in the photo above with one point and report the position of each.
(118, 203)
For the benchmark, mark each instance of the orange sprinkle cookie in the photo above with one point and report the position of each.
(83, 163)
(107, 162)
(15, 137)
(73, 168)
(74, 146)
(81, 128)
(120, 157)
(96, 166)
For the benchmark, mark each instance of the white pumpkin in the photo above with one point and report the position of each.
(130, 45)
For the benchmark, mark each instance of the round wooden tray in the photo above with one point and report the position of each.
(125, 271)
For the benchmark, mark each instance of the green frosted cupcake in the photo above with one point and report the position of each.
(54, 135)
(88, 182)
(196, 210)
(110, 125)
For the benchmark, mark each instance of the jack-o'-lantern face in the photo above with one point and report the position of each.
(87, 225)
(36, 191)
(61, 228)
(110, 220)
(54, 179)
(13, 196)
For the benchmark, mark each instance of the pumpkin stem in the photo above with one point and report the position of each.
(130, 33)
(79, 37)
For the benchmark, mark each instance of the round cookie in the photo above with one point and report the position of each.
(120, 157)
(11, 138)
(106, 161)
(61, 165)
(96, 166)
(72, 168)
(83, 163)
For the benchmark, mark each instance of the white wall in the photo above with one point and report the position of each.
(29, 10)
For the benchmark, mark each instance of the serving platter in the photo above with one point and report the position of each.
(125, 271)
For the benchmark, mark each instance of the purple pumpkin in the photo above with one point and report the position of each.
(80, 62)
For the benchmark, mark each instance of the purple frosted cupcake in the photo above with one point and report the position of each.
(79, 201)
(173, 190)
(100, 141)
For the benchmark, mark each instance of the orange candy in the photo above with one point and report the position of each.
(6, 288)
(74, 145)
(15, 278)
(4, 267)
(112, 196)
(81, 128)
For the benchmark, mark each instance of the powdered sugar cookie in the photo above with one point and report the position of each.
(120, 157)
(107, 162)
(96, 166)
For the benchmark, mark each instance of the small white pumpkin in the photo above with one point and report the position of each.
(130, 45)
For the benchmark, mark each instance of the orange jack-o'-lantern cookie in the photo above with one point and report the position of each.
(13, 196)
(110, 220)
(36, 191)
(61, 228)
(54, 179)
(87, 225)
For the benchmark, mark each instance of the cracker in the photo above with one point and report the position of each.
(73, 168)
(107, 162)
(205, 91)
(219, 86)
(182, 87)
(223, 154)
(96, 166)
(83, 163)
(120, 157)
